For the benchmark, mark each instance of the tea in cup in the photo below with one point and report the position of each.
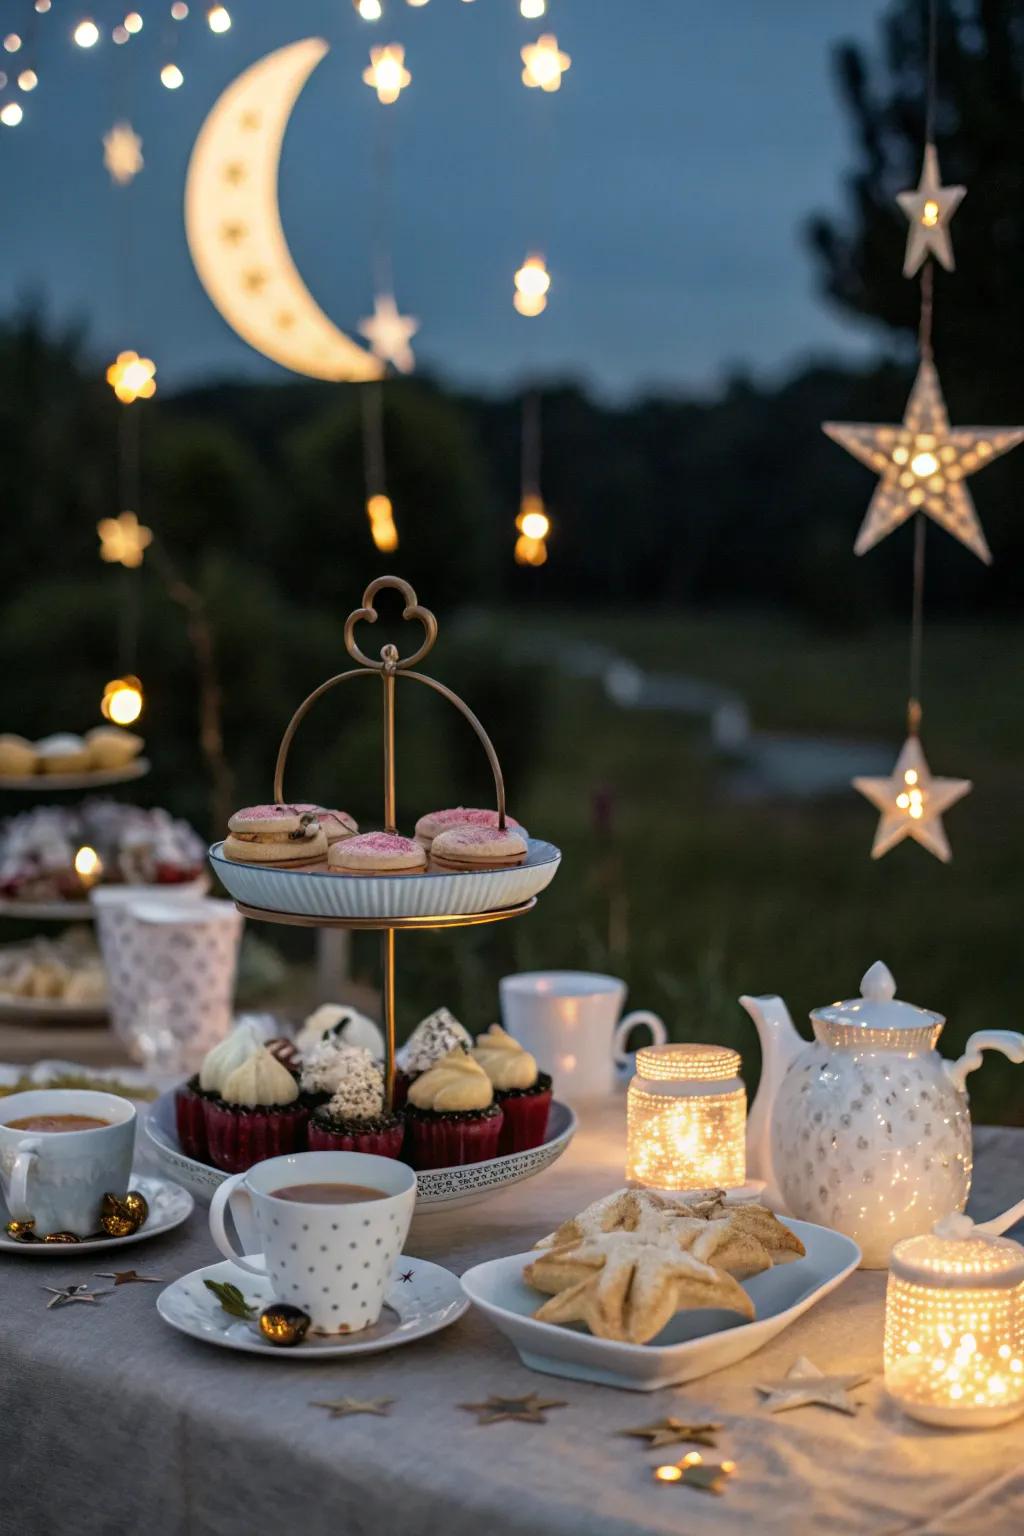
(61, 1151)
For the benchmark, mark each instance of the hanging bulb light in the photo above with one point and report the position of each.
(369, 10)
(132, 377)
(387, 73)
(171, 76)
(416, 2)
(42, 6)
(532, 283)
(133, 22)
(179, 10)
(530, 551)
(543, 64)
(382, 523)
(122, 700)
(28, 80)
(533, 520)
(531, 9)
(218, 18)
(12, 42)
(11, 114)
(86, 34)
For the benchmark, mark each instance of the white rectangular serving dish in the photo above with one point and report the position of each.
(694, 1344)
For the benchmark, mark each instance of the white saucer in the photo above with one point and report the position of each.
(694, 1344)
(429, 1299)
(169, 1206)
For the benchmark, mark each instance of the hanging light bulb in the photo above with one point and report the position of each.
(12, 42)
(86, 34)
(530, 551)
(369, 10)
(11, 114)
(171, 76)
(218, 18)
(122, 700)
(179, 10)
(88, 865)
(382, 523)
(416, 2)
(531, 9)
(387, 73)
(533, 520)
(133, 22)
(532, 283)
(132, 377)
(543, 64)
(28, 80)
(42, 6)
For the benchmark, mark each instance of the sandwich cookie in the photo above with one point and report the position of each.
(465, 849)
(336, 824)
(435, 822)
(377, 853)
(275, 834)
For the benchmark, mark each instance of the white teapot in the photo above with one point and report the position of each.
(866, 1129)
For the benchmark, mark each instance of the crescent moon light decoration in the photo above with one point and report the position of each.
(233, 223)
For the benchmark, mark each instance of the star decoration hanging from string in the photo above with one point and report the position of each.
(912, 803)
(929, 209)
(923, 463)
(122, 153)
(672, 1431)
(532, 1409)
(123, 539)
(344, 1406)
(543, 63)
(804, 1385)
(389, 333)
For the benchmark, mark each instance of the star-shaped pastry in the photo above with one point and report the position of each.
(122, 153)
(123, 539)
(128, 1277)
(923, 464)
(532, 1409)
(912, 803)
(804, 1385)
(389, 333)
(344, 1406)
(929, 209)
(672, 1431)
(63, 1295)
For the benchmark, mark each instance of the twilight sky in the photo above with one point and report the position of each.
(667, 181)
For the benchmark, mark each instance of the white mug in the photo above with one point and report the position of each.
(569, 1021)
(333, 1261)
(57, 1179)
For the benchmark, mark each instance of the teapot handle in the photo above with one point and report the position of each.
(1006, 1040)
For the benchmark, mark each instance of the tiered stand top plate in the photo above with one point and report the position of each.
(99, 778)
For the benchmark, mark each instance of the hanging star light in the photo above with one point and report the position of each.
(122, 153)
(912, 803)
(123, 540)
(132, 377)
(923, 464)
(929, 209)
(543, 64)
(532, 282)
(389, 333)
(387, 73)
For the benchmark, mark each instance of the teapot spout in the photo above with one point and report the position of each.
(780, 1043)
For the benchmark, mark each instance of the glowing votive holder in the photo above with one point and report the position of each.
(954, 1326)
(686, 1116)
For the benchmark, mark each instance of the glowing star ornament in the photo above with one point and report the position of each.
(132, 377)
(123, 540)
(122, 153)
(923, 463)
(389, 333)
(543, 64)
(532, 282)
(912, 803)
(387, 73)
(929, 209)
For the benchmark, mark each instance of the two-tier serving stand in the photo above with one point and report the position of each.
(388, 669)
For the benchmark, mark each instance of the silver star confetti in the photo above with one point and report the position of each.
(63, 1295)
(804, 1385)
(912, 803)
(342, 1407)
(929, 208)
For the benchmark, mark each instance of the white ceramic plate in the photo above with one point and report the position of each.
(97, 778)
(694, 1344)
(169, 1206)
(421, 1299)
(437, 1187)
(314, 893)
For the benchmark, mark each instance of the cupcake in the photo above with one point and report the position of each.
(190, 1099)
(433, 1037)
(63, 753)
(429, 826)
(465, 849)
(274, 834)
(355, 1118)
(337, 825)
(257, 1115)
(348, 1024)
(451, 1117)
(17, 756)
(523, 1093)
(324, 1067)
(377, 853)
(110, 746)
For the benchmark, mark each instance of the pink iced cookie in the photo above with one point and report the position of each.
(377, 853)
(428, 827)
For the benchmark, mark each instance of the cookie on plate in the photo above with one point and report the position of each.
(110, 746)
(377, 853)
(336, 824)
(274, 834)
(63, 753)
(435, 822)
(465, 849)
(17, 756)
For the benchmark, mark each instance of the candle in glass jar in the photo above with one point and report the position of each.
(686, 1117)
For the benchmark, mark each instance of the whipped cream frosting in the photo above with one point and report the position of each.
(229, 1053)
(328, 1063)
(503, 1059)
(347, 1023)
(260, 1080)
(456, 1082)
(359, 1095)
(436, 1035)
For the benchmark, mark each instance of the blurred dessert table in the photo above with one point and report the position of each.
(113, 1422)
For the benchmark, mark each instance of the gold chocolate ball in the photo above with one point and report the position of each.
(137, 1206)
(115, 1217)
(284, 1325)
(22, 1231)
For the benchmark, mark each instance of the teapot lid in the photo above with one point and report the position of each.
(877, 1007)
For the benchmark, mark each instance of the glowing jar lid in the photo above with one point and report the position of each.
(688, 1069)
(957, 1255)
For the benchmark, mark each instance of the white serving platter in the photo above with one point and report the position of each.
(694, 1344)
(438, 1187)
(315, 893)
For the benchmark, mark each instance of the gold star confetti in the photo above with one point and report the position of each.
(344, 1406)
(804, 1385)
(132, 377)
(128, 1277)
(912, 803)
(694, 1472)
(123, 540)
(923, 464)
(929, 209)
(672, 1431)
(389, 333)
(543, 64)
(532, 1409)
(122, 153)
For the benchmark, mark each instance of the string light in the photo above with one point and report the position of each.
(416, 2)
(369, 10)
(218, 18)
(88, 865)
(387, 73)
(171, 76)
(382, 523)
(133, 22)
(533, 521)
(532, 282)
(28, 80)
(86, 34)
(12, 42)
(123, 540)
(531, 9)
(122, 153)
(11, 114)
(543, 64)
(179, 10)
(686, 1116)
(42, 6)
(119, 35)
(132, 377)
(122, 700)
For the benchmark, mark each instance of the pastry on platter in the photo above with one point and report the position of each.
(377, 853)
(433, 1037)
(258, 1114)
(451, 1116)
(625, 1210)
(626, 1288)
(467, 849)
(275, 834)
(214, 1070)
(523, 1092)
(111, 746)
(17, 756)
(63, 753)
(428, 827)
(337, 825)
(344, 1022)
(355, 1118)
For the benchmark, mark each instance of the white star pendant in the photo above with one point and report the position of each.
(929, 209)
(912, 803)
(389, 333)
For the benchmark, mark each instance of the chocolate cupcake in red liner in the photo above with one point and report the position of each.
(431, 1040)
(190, 1119)
(191, 1098)
(451, 1117)
(258, 1115)
(523, 1092)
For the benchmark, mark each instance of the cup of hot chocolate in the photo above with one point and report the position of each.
(61, 1151)
(326, 1227)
